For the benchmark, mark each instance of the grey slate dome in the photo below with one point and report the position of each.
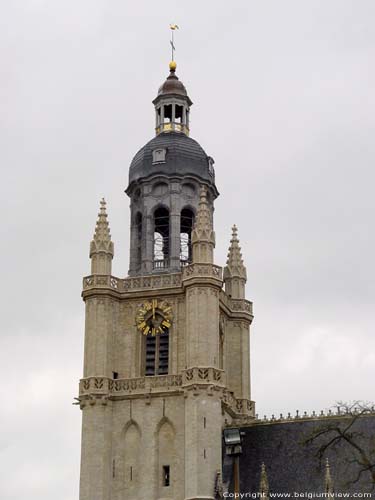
(183, 157)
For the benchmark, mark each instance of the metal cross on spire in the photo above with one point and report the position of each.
(173, 28)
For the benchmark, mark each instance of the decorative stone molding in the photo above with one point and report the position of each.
(97, 386)
(203, 375)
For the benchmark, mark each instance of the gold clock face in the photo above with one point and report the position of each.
(154, 317)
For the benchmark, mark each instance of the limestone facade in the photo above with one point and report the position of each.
(159, 436)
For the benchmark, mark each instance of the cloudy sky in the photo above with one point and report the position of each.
(284, 101)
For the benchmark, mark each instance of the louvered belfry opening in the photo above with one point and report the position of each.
(138, 224)
(161, 238)
(186, 228)
(157, 354)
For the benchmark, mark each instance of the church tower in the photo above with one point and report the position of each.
(166, 355)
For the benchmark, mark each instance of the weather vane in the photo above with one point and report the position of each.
(173, 27)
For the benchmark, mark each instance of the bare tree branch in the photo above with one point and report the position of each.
(343, 431)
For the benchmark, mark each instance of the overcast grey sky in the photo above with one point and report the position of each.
(284, 101)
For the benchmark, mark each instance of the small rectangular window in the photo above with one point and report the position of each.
(158, 156)
(115, 375)
(166, 475)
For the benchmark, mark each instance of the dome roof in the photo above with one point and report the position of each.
(172, 85)
(183, 156)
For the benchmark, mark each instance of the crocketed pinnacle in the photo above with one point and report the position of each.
(263, 485)
(203, 221)
(328, 483)
(235, 266)
(102, 236)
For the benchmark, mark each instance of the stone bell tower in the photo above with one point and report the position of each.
(166, 361)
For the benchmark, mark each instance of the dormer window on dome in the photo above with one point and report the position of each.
(158, 155)
(172, 105)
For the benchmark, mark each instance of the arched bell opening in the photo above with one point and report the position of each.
(161, 238)
(186, 228)
(138, 231)
(168, 111)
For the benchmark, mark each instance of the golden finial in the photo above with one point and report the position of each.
(172, 66)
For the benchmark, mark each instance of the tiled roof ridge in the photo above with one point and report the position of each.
(323, 415)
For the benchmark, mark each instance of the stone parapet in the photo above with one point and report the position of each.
(133, 284)
(238, 408)
(202, 270)
(234, 306)
(152, 282)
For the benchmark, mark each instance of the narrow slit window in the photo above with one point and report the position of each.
(166, 475)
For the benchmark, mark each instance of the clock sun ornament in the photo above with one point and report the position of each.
(154, 317)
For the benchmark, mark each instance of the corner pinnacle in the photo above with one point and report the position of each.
(101, 241)
(235, 265)
(203, 235)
